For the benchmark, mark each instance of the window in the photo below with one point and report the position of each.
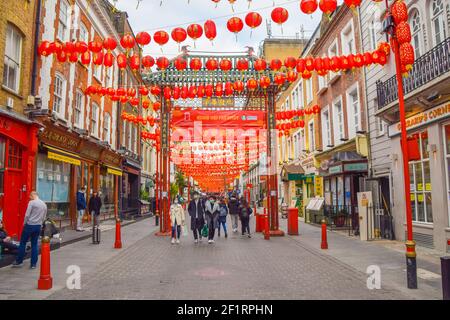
(438, 22)
(332, 51)
(326, 130)
(59, 95)
(300, 95)
(309, 91)
(348, 39)
(84, 34)
(63, 20)
(107, 128)
(295, 98)
(302, 140)
(420, 176)
(374, 29)
(338, 122)
(130, 137)
(13, 54)
(380, 126)
(312, 140)
(98, 72)
(322, 82)
(14, 156)
(94, 120)
(354, 112)
(79, 109)
(108, 76)
(135, 140)
(416, 30)
(447, 159)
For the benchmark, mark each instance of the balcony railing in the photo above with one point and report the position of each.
(428, 67)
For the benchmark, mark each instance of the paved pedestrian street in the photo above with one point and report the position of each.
(237, 268)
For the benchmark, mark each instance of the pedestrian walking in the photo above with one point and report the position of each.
(81, 207)
(244, 214)
(95, 205)
(212, 217)
(177, 217)
(34, 218)
(233, 206)
(223, 212)
(197, 213)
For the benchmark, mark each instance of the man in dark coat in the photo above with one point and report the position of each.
(196, 212)
(95, 204)
(81, 206)
(233, 206)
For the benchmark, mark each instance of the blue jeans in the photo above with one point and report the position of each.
(176, 228)
(33, 232)
(224, 224)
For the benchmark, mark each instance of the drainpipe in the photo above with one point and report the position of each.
(35, 44)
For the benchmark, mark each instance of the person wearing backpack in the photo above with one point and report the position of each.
(244, 214)
(223, 212)
(233, 206)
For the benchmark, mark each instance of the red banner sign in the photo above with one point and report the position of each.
(224, 119)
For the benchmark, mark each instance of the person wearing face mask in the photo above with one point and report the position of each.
(212, 217)
(177, 217)
(196, 212)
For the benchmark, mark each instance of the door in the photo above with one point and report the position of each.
(13, 198)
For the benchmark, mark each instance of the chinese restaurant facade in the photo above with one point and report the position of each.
(66, 162)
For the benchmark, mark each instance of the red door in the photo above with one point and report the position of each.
(12, 215)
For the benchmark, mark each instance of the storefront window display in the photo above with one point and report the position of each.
(107, 188)
(419, 170)
(53, 181)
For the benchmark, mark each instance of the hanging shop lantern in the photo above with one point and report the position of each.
(308, 6)
(176, 93)
(108, 60)
(161, 37)
(180, 64)
(228, 89)
(235, 25)
(210, 30)
(135, 62)
(290, 63)
(309, 63)
(95, 46)
(143, 90)
(127, 42)
(184, 92)
(242, 65)
(143, 38)
(264, 82)
(252, 84)
(253, 20)
(148, 62)
(195, 64)
(238, 86)
(85, 58)
(212, 64)
(280, 15)
(98, 58)
(200, 91)
(219, 89)
(110, 44)
(121, 92)
(225, 65)
(194, 31)
(292, 76)
(209, 90)
(407, 55)
(301, 66)
(306, 75)
(131, 92)
(162, 63)
(403, 32)
(179, 35)
(399, 11)
(155, 90)
(121, 61)
(44, 49)
(328, 6)
(260, 65)
(156, 106)
(275, 65)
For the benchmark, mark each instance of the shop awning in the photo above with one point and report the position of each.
(114, 171)
(64, 156)
(292, 172)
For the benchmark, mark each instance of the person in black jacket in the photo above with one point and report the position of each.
(197, 213)
(5, 240)
(95, 204)
(233, 206)
(244, 214)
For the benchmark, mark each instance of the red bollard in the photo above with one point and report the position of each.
(266, 225)
(45, 281)
(118, 243)
(293, 221)
(324, 244)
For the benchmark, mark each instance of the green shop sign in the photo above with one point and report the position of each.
(356, 167)
(335, 169)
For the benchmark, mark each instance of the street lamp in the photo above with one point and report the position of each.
(411, 263)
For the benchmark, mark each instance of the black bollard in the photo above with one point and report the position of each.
(445, 273)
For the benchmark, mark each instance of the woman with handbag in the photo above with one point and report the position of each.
(177, 217)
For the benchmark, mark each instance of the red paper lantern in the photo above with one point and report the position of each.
(399, 11)
(195, 64)
(352, 4)
(228, 89)
(44, 49)
(109, 44)
(134, 102)
(301, 65)
(252, 84)
(135, 62)
(235, 25)
(162, 63)
(143, 38)
(156, 106)
(179, 35)
(167, 93)
(292, 76)
(290, 62)
(143, 90)
(212, 64)
(210, 30)
(407, 55)
(155, 90)
(148, 62)
(328, 6)
(121, 92)
(108, 59)
(275, 65)
(131, 92)
(309, 64)
(264, 82)
(194, 31)
(121, 61)
(219, 89)
(279, 79)
(127, 42)
(161, 37)
(260, 65)
(184, 92)
(253, 20)
(403, 32)
(209, 90)
(279, 15)
(242, 65)
(308, 6)
(225, 65)
(238, 86)
(180, 64)
(95, 46)
(86, 58)
(98, 58)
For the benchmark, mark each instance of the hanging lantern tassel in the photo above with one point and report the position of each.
(160, 4)
(249, 3)
(138, 2)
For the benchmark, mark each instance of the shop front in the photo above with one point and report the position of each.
(130, 202)
(429, 169)
(342, 181)
(66, 162)
(18, 147)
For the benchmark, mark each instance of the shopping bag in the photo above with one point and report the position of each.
(205, 231)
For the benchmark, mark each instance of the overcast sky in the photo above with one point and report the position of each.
(150, 17)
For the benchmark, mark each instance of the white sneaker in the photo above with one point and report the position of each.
(196, 241)
(210, 241)
(178, 241)
(173, 241)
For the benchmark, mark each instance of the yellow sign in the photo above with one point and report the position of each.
(419, 187)
(114, 171)
(428, 187)
(413, 197)
(319, 186)
(420, 197)
(60, 157)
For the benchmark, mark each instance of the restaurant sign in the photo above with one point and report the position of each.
(423, 118)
